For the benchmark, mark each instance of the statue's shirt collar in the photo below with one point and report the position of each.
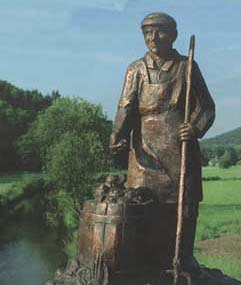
(163, 64)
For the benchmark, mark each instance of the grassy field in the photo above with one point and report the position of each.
(218, 240)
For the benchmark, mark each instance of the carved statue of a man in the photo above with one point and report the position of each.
(150, 118)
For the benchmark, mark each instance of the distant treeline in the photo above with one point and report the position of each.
(223, 150)
(18, 109)
(29, 129)
(223, 156)
(231, 138)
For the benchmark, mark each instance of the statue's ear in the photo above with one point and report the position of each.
(174, 35)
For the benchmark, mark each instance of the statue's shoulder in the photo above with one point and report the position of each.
(184, 59)
(180, 57)
(137, 65)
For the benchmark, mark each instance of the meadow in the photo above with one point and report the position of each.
(218, 239)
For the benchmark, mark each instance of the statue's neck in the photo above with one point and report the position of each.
(163, 55)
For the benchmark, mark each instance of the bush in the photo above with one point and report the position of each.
(211, 178)
(238, 162)
(73, 163)
(209, 232)
(228, 159)
(213, 161)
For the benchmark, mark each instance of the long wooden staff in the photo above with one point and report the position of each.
(179, 233)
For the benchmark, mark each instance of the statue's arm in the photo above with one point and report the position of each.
(125, 115)
(202, 106)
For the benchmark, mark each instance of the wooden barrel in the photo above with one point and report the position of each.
(115, 230)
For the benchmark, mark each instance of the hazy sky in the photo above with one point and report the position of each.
(82, 48)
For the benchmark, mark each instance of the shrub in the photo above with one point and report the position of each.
(73, 163)
(238, 162)
(226, 160)
(211, 178)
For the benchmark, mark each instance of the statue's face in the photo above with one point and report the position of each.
(157, 40)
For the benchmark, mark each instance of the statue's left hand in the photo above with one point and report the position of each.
(122, 144)
(186, 132)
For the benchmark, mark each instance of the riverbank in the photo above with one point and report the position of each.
(30, 249)
(22, 192)
(35, 194)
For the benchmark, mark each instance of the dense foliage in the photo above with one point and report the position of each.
(18, 109)
(73, 162)
(69, 140)
(222, 156)
(65, 119)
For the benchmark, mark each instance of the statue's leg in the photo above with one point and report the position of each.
(168, 222)
(189, 230)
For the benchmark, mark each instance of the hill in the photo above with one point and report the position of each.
(231, 138)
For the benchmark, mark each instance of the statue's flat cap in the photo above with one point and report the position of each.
(161, 19)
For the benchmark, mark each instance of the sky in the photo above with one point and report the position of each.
(83, 48)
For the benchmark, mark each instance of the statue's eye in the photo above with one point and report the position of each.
(162, 35)
(148, 32)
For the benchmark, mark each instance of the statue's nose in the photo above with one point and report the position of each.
(154, 35)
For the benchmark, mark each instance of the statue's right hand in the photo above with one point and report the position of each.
(122, 144)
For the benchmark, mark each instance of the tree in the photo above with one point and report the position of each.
(219, 150)
(18, 109)
(228, 159)
(204, 157)
(70, 140)
(70, 116)
(73, 162)
(233, 155)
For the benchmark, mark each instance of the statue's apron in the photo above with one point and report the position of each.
(155, 156)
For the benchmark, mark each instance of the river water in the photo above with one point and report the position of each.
(29, 252)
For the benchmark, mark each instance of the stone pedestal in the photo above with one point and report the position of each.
(73, 275)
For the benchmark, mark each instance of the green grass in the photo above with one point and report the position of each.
(228, 173)
(220, 215)
(9, 178)
(7, 181)
(71, 247)
(220, 210)
(12, 186)
(230, 265)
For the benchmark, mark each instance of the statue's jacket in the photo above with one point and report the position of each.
(150, 111)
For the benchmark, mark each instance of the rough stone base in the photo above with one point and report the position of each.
(75, 274)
